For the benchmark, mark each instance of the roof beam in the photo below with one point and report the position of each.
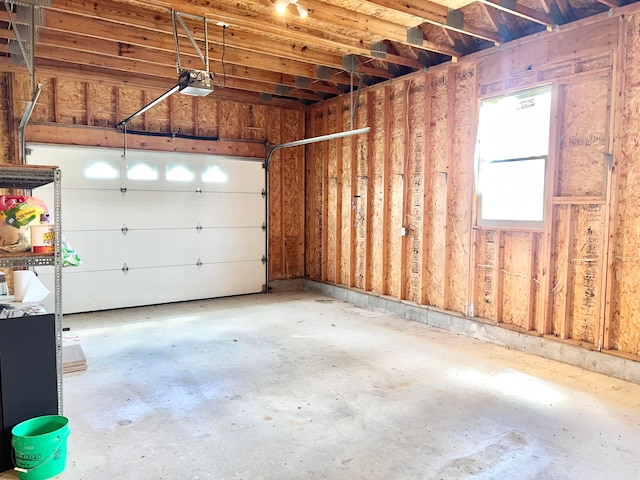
(435, 14)
(513, 8)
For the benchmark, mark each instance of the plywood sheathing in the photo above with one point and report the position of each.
(102, 101)
(414, 196)
(276, 214)
(395, 187)
(332, 193)
(293, 191)
(377, 172)
(360, 199)
(460, 185)
(625, 298)
(584, 122)
(6, 118)
(346, 164)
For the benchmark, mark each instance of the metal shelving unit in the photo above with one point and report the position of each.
(28, 177)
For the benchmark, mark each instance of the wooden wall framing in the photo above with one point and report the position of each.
(573, 280)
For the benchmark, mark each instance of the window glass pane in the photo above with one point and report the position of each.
(215, 174)
(101, 169)
(513, 190)
(516, 126)
(180, 173)
(142, 171)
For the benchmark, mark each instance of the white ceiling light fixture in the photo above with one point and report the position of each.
(281, 7)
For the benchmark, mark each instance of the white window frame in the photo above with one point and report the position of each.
(542, 154)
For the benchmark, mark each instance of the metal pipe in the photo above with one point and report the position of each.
(321, 138)
(295, 143)
(148, 106)
(25, 119)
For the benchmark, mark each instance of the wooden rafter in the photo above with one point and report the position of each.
(438, 15)
(521, 11)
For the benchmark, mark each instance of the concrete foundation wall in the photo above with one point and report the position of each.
(600, 362)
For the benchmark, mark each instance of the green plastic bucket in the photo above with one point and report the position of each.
(40, 446)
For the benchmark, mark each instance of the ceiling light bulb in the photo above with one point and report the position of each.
(281, 7)
(302, 11)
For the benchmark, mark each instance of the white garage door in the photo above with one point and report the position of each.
(155, 227)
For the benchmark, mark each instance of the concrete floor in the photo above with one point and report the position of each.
(300, 386)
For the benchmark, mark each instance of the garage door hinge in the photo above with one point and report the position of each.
(198, 191)
(264, 226)
(125, 268)
(264, 259)
(199, 264)
(198, 228)
(123, 189)
(264, 193)
(124, 229)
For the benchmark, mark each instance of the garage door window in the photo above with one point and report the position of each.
(511, 157)
(142, 171)
(180, 173)
(101, 170)
(215, 174)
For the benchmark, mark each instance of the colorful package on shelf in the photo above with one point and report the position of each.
(17, 216)
(69, 256)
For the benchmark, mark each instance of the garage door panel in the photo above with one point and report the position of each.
(90, 209)
(93, 291)
(111, 243)
(182, 210)
(186, 247)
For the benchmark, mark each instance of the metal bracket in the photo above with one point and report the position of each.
(123, 190)
(124, 229)
(198, 191)
(199, 264)
(199, 228)
(264, 193)
(264, 259)
(609, 160)
(264, 226)
(176, 17)
(125, 268)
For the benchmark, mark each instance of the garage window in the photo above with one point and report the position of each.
(142, 171)
(180, 173)
(511, 157)
(101, 170)
(215, 174)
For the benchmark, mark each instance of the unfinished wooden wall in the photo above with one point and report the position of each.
(575, 279)
(86, 113)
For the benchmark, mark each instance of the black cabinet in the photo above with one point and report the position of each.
(28, 374)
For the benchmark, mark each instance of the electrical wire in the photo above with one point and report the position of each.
(224, 45)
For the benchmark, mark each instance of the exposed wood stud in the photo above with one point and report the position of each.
(325, 198)
(370, 194)
(339, 186)
(545, 306)
(56, 106)
(618, 98)
(499, 278)
(87, 103)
